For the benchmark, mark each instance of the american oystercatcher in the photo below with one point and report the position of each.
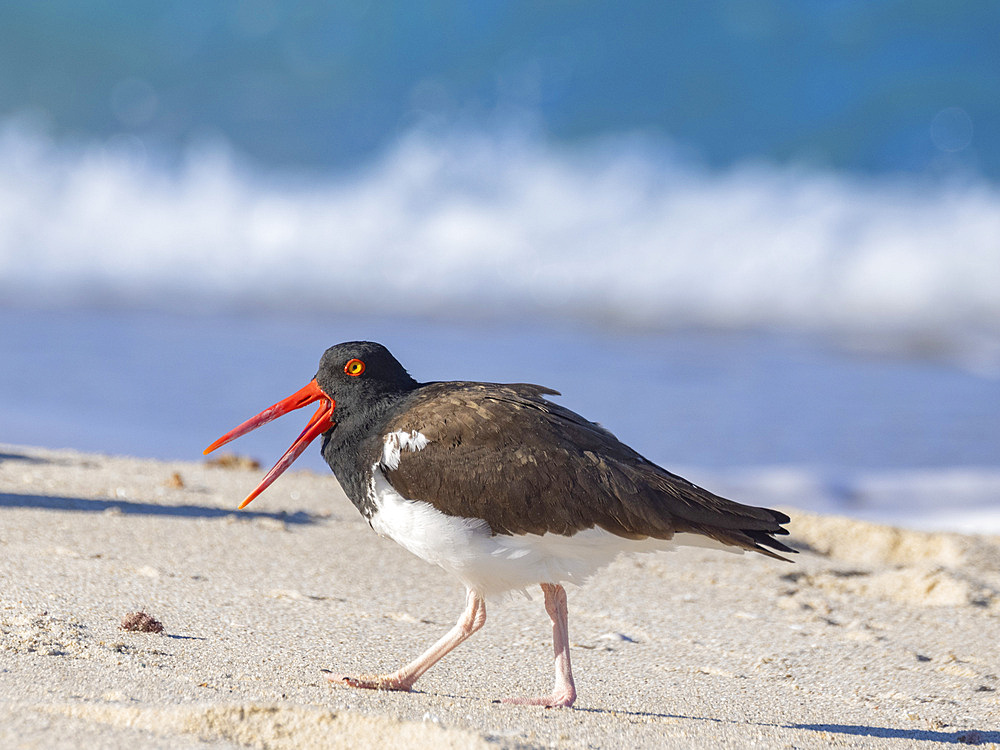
(499, 486)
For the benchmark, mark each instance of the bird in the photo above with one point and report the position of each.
(500, 486)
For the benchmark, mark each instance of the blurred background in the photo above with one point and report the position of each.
(760, 241)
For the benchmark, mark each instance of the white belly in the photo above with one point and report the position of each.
(494, 564)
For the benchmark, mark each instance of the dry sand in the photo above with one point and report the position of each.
(875, 637)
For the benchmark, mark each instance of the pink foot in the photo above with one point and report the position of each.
(372, 682)
(560, 700)
(472, 619)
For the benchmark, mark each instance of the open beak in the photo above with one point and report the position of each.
(321, 421)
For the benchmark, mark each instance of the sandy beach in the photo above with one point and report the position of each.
(874, 637)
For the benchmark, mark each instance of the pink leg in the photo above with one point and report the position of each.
(472, 619)
(564, 692)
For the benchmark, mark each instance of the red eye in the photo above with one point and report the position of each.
(354, 367)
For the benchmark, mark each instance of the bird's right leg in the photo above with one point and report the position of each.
(564, 692)
(472, 619)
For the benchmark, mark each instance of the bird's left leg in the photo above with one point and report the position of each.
(472, 619)
(564, 691)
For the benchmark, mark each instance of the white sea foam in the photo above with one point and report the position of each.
(612, 231)
(962, 499)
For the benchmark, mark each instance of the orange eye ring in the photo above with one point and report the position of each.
(354, 367)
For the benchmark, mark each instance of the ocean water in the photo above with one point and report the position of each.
(757, 241)
(849, 85)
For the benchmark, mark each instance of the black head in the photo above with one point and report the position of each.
(356, 374)
(353, 380)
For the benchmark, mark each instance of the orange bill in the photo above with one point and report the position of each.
(321, 421)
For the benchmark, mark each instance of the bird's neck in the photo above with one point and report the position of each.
(354, 447)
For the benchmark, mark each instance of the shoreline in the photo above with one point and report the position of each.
(875, 637)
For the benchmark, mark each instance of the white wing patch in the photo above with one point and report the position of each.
(398, 441)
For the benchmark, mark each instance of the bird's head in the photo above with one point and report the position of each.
(351, 376)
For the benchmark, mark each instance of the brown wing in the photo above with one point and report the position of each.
(505, 454)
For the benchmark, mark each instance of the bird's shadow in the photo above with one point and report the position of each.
(130, 507)
(958, 737)
(961, 737)
(24, 457)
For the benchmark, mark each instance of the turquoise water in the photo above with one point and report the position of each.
(851, 85)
